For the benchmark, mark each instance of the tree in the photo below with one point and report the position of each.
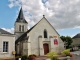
(63, 38)
(67, 39)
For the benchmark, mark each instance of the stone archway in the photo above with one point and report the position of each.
(46, 48)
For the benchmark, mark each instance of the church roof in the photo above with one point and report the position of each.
(21, 17)
(4, 32)
(21, 37)
(76, 36)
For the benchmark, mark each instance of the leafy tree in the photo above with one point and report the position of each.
(63, 38)
(67, 39)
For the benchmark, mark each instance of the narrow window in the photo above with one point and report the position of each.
(19, 27)
(45, 34)
(5, 46)
(23, 28)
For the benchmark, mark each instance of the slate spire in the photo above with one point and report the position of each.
(20, 17)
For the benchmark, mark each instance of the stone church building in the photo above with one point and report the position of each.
(39, 40)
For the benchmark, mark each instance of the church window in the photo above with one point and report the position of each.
(45, 34)
(5, 46)
(20, 28)
(23, 28)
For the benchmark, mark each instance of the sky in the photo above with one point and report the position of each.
(64, 15)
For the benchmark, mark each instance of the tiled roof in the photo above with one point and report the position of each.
(76, 36)
(4, 32)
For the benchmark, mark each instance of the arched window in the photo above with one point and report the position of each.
(19, 27)
(45, 34)
(23, 28)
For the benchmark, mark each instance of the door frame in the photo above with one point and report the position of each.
(47, 48)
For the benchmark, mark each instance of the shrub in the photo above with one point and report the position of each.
(55, 58)
(51, 54)
(24, 57)
(66, 52)
(32, 56)
(17, 57)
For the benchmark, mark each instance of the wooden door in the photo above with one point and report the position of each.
(46, 48)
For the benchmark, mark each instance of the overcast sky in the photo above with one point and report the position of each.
(64, 15)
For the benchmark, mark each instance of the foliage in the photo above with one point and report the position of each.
(17, 57)
(66, 52)
(55, 58)
(63, 38)
(32, 56)
(67, 39)
(52, 55)
(24, 57)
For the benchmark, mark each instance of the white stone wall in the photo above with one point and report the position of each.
(16, 29)
(11, 46)
(39, 30)
(17, 26)
(61, 45)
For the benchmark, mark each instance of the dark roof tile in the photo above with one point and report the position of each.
(21, 17)
(4, 32)
(76, 36)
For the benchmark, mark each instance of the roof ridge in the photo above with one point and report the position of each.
(76, 36)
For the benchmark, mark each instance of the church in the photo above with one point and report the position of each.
(41, 39)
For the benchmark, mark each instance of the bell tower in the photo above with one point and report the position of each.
(21, 25)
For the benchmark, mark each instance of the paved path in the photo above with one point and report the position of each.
(76, 55)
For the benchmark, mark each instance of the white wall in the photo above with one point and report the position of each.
(11, 40)
(17, 24)
(16, 29)
(39, 30)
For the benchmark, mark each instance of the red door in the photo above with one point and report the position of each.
(46, 48)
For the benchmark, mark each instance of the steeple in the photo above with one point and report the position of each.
(20, 25)
(20, 17)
